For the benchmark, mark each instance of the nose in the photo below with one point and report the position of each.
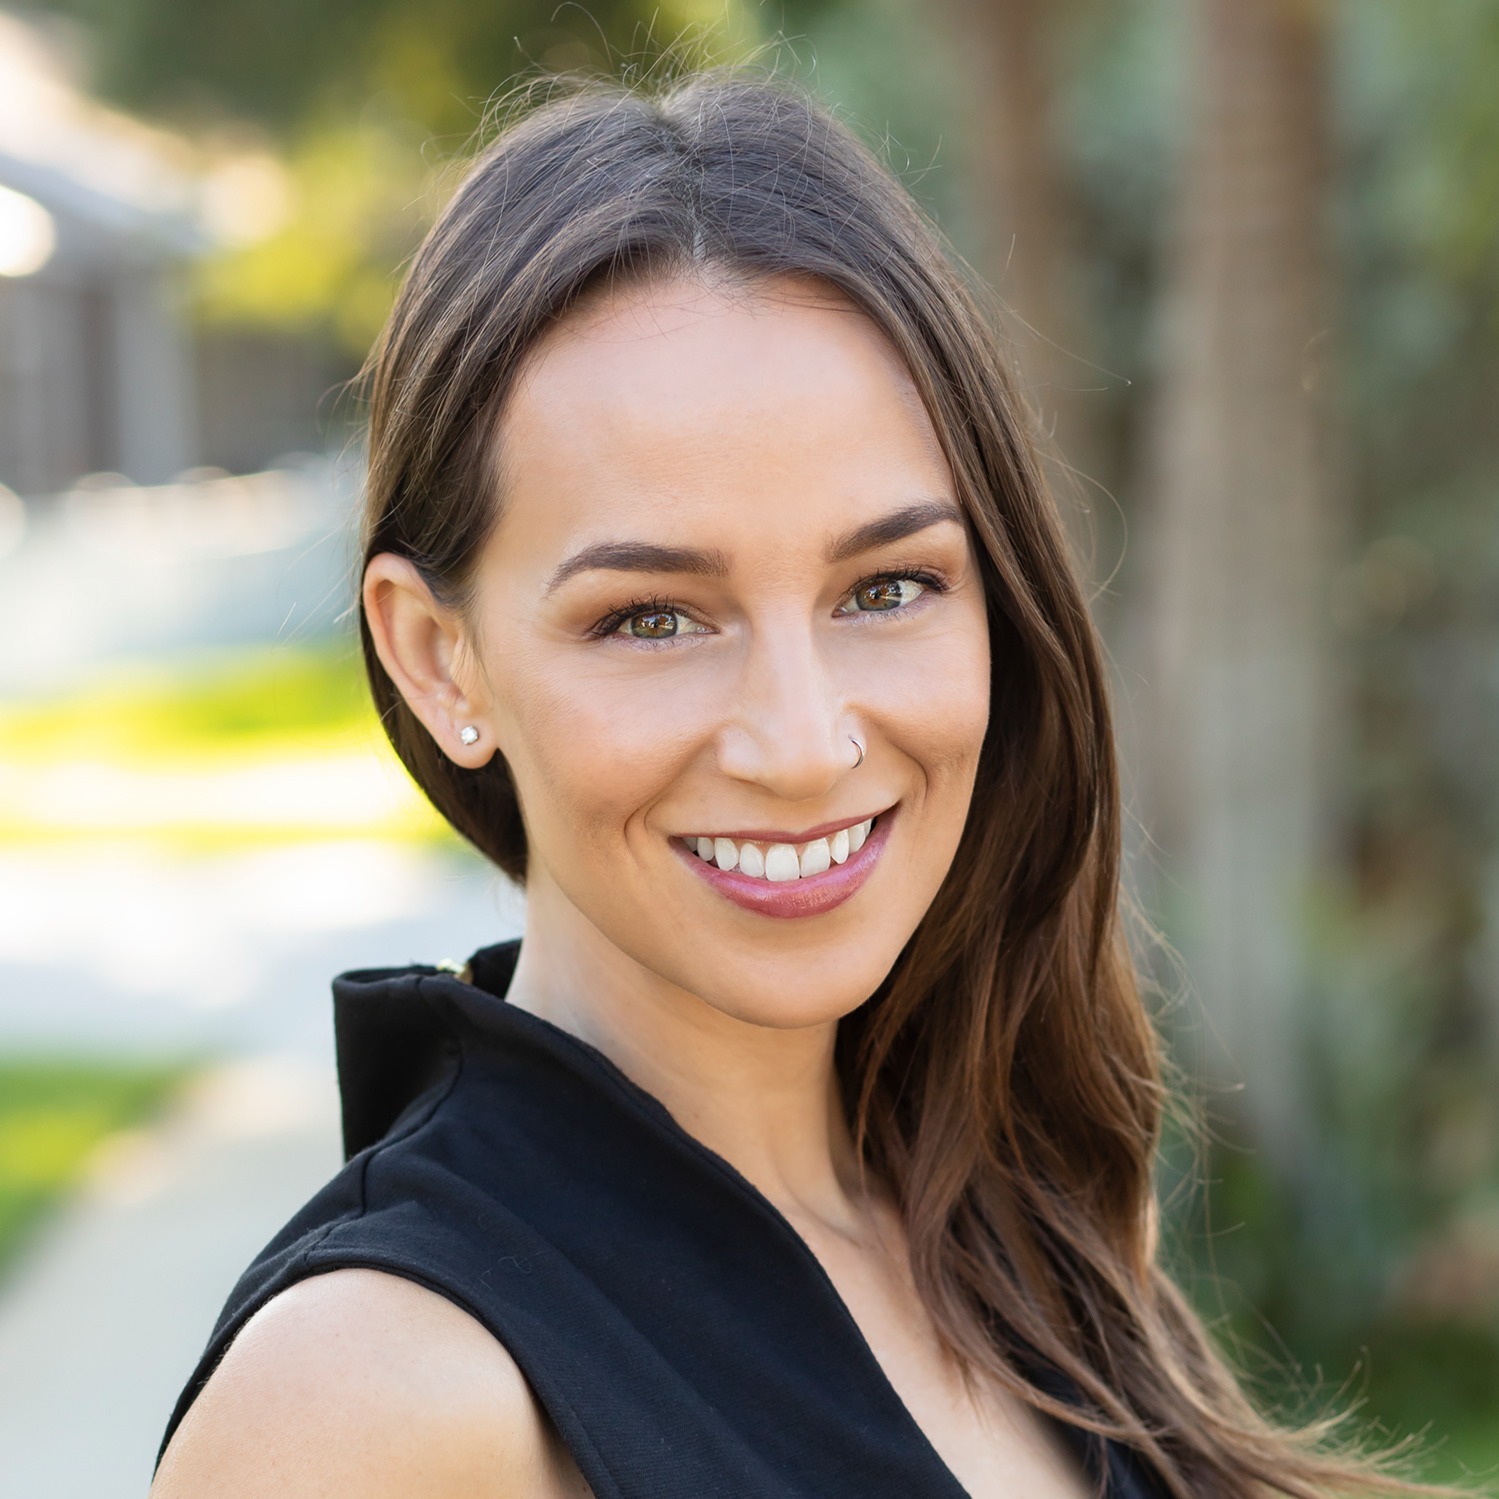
(789, 733)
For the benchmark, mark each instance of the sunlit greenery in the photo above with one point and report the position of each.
(250, 746)
(364, 101)
(267, 700)
(53, 1115)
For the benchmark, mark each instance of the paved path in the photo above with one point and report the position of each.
(126, 947)
(104, 1318)
(111, 1308)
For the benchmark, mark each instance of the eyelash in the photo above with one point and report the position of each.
(656, 604)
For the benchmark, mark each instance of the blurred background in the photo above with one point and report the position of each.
(1248, 254)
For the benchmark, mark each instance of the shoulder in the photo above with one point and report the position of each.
(356, 1381)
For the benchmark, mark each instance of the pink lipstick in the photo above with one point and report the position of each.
(806, 895)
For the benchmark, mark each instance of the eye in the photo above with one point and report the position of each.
(654, 624)
(882, 595)
(648, 620)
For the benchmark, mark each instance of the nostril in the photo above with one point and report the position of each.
(796, 765)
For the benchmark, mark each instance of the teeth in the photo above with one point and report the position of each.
(783, 862)
(815, 857)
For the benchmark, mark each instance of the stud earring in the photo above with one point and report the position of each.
(857, 763)
(469, 734)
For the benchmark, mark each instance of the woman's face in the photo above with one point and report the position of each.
(730, 546)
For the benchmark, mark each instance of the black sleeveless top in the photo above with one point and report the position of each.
(680, 1334)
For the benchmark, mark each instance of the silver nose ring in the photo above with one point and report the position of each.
(860, 748)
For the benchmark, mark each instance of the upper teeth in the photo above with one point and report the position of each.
(779, 862)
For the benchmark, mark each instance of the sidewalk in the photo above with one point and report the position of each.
(109, 1312)
(105, 1317)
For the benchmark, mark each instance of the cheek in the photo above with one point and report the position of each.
(933, 702)
(587, 752)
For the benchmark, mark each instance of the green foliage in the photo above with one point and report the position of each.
(1281, 1272)
(359, 206)
(267, 701)
(909, 113)
(53, 1114)
(290, 67)
(1418, 78)
(234, 748)
(365, 100)
(1367, 1281)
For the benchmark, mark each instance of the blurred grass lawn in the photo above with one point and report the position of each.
(54, 1113)
(266, 744)
(218, 751)
(1442, 1381)
(261, 700)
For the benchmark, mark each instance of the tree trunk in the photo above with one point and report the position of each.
(1024, 222)
(1238, 705)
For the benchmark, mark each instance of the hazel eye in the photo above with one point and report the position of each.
(881, 595)
(649, 622)
(653, 624)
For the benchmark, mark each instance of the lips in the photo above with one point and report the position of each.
(774, 878)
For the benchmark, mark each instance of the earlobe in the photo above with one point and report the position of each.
(424, 649)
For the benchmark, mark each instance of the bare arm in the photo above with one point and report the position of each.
(358, 1382)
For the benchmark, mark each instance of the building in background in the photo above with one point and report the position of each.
(97, 228)
(104, 222)
(163, 481)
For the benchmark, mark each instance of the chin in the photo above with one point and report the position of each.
(790, 997)
(782, 975)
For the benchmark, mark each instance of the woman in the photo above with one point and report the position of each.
(803, 1146)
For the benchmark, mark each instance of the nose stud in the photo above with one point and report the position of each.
(857, 763)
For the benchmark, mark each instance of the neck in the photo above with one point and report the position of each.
(765, 1099)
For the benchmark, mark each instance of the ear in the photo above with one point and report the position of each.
(425, 650)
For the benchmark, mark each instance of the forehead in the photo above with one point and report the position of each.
(681, 403)
(669, 347)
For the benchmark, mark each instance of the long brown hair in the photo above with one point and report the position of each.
(1006, 1079)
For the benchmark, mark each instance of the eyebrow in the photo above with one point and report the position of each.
(639, 557)
(651, 557)
(896, 526)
